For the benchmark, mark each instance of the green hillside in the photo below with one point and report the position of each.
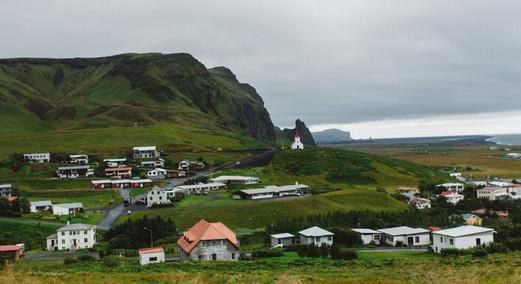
(340, 180)
(42, 95)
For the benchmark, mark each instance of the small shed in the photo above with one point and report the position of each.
(282, 240)
(151, 255)
(12, 252)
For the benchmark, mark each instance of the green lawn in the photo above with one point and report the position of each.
(89, 198)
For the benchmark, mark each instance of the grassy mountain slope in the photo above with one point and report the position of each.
(340, 180)
(38, 95)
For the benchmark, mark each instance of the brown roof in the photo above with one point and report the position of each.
(10, 248)
(205, 231)
(150, 250)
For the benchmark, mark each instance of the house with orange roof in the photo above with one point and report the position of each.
(209, 241)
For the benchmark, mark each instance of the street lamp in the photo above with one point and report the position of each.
(151, 239)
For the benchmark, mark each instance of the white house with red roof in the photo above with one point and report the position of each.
(297, 145)
(209, 241)
(151, 255)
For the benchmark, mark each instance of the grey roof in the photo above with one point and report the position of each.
(233, 178)
(364, 231)
(74, 167)
(315, 232)
(274, 188)
(463, 231)
(41, 203)
(69, 205)
(73, 227)
(403, 230)
(53, 236)
(282, 236)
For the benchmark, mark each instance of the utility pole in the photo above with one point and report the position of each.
(151, 238)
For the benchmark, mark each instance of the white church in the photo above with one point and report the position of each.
(297, 145)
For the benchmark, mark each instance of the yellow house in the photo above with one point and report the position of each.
(472, 219)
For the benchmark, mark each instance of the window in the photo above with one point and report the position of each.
(63, 233)
(417, 239)
(203, 243)
(152, 258)
(233, 256)
(441, 239)
(86, 240)
(223, 242)
(85, 232)
(63, 241)
(451, 241)
(329, 238)
(200, 257)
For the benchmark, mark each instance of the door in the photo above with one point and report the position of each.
(410, 241)
(214, 256)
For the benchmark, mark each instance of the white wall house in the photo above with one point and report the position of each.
(274, 191)
(67, 209)
(456, 187)
(6, 190)
(81, 171)
(368, 235)
(159, 163)
(38, 157)
(201, 187)
(407, 236)
(492, 193)
(151, 255)
(157, 173)
(236, 180)
(452, 197)
(72, 237)
(514, 192)
(145, 152)
(38, 206)
(297, 144)
(157, 196)
(281, 240)
(316, 236)
(80, 159)
(420, 203)
(115, 162)
(463, 237)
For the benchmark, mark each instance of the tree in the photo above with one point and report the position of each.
(346, 236)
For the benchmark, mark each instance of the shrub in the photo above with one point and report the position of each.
(454, 252)
(111, 261)
(479, 252)
(244, 256)
(268, 253)
(69, 260)
(399, 244)
(342, 252)
(3, 262)
(86, 257)
(496, 248)
(346, 237)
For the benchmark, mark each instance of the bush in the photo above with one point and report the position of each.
(86, 257)
(399, 244)
(69, 260)
(244, 256)
(454, 252)
(496, 248)
(111, 261)
(479, 252)
(268, 253)
(341, 252)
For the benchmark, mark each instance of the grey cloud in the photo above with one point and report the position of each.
(322, 61)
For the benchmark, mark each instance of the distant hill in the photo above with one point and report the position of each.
(39, 95)
(331, 135)
(288, 134)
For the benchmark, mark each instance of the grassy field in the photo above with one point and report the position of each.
(340, 180)
(89, 198)
(480, 160)
(396, 267)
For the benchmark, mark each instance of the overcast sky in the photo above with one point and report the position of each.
(368, 65)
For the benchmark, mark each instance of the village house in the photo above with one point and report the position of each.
(201, 188)
(420, 203)
(157, 196)
(406, 236)
(70, 209)
(186, 165)
(452, 197)
(407, 189)
(297, 145)
(6, 190)
(38, 157)
(145, 152)
(159, 163)
(281, 240)
(114, 163)
(514, 192)
(274, 191)
(121, 183)
(368, 236)
(157, 173)
(39, 206)
(492, 193)
(209, 241)
(151, 255)
(454, 187)
(12, 252)
(513, 156)
(471, 219)
(463, 237)
(80, 159)
(477, 183)
(72, 237)
(236, 180)
(82, 171)
(119, 172)
(316, 236)
(500, 183)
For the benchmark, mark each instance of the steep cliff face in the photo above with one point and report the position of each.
(130, 89)
(305, 135)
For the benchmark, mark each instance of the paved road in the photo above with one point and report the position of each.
(113, 214)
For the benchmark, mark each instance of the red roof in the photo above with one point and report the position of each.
(205, 231)
(150, 250)
(10, 248)
(445, 193)
(11, 198)
(434, 229)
